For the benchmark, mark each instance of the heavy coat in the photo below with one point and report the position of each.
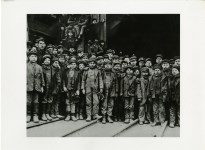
(162, 91)
(35, 80)
(175, 89)
(108, 78)
(144, 86)
(97, 80)
(127, 86)
(115, 88)
(71, 83)
(52, 85)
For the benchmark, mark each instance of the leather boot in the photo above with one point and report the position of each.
(104, 120)
(59, 116)
(97, 116)
(73, 117)
(53, 116)
(81, 117)
(28, 118)
(141, 123)
(88, 119)
(35, 119)
(48, 117)
(109, 119)
(171, 125)
(44, 117)
(127, 120)
(154, 124)
(67, 118)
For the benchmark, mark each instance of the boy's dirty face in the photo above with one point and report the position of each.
(129, 71)
(60, 50)
(56, 64)
(62, 60)
(85, 59)
(55, 52)
(144, 74)
(127, 60)
(175, 71)
(108, 66)
(80, 54)
(91, 65)
(50, 50)
(141, 63)
(124, 65)
(73, 65)
(165, 65)
(137, 72)
(41, 45)
(133, 63)
(106, 59)
(47, 61)
(110, 55)
(81, 66)
(177, 62)
(115, 60)
(157, 71)
(117, 67)
(158, 60)
(32, 58)
(72, 50)
(148, 64)
(102, 43)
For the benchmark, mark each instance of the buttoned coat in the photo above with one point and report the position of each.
(35, 80)
(127, 86)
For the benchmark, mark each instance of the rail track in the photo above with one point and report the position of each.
(95, 128)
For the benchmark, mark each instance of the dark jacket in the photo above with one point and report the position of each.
(52, 80)
(127, 86)
(35, 80)
(175, 89)
(71, 83)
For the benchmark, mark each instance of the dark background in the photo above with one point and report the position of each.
(145, 34)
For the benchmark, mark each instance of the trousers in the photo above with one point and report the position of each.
(107, 105)
(92, 103)
(129, 107)
(32, 102)
(158, 110)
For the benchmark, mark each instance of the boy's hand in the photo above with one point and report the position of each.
(139, 99)
(164, 98)
(101, 90)
(65, 89)
(83, 91)
(42, 90)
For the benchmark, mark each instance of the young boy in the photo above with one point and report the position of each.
(107, 104)
(56, 84)
(158, 91)
(52, 87)
(128, 92)
(145, 105)
(35, 84)
(115, 92)
(175, 100)
(177, 61)
(92, 85)
(141, 62)
(70, 84)
(80, 107)
(148, 64)
(159, 58)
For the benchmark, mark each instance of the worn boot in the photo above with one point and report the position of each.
(154, 124)
(59, 116)
(171, 125)
(53, 116)
(73, 117)
(104, 120)
(141, 123)
(127, 120)
(28, 118)
(48, 117)
(96, 116)
(67, 118)
(88, 119)
(77, 117)
(44, 117)
(35, 119)
(81, 117)
(109, 119)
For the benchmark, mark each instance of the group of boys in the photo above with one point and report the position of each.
(93, 86)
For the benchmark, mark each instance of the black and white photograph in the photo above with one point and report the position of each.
(103, 75)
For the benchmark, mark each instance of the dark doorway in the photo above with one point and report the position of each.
(144, 34)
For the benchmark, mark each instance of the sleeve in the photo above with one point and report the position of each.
(100, 80)
(139, 89)
(83, 80)
(42, 77)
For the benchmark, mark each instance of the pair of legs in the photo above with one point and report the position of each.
(92, 105)
(32, 104)
(174, 114)
(107, 108)
(158, 110)
(129, 108)
(70, 106)
(80, 107)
